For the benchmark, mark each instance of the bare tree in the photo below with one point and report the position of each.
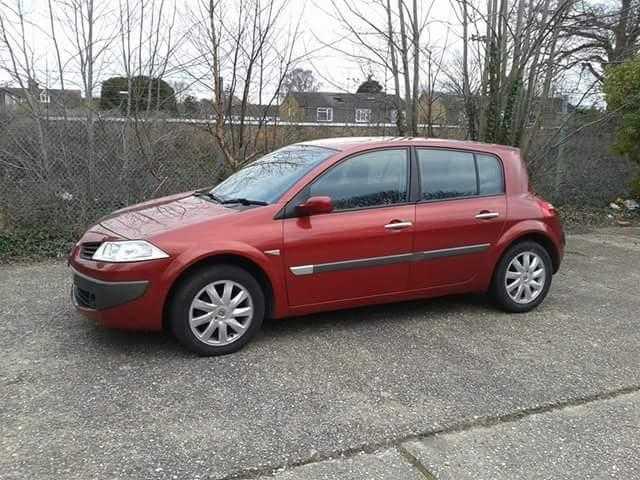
(19, 57)
(90, 32)
(389, 36)
(431, 69)
(515, 61)
(395, 71)
(246, 51)
(18, 61)
(299, 80)
(601, 34)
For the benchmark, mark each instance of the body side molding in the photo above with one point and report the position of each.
(388, 260)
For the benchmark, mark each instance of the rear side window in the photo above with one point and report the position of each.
(490, 180)
(451, 174)
(447, 174)
(372, 179)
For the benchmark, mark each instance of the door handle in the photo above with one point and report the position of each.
(484, 215)
(397, 225)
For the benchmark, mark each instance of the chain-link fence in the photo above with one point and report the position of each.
(575, 165)
(59, 175)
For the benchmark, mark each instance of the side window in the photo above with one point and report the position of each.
(367, 180)
(489, 175)
(446, 174)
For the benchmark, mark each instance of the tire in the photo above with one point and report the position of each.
(206, 338)
(506, 293)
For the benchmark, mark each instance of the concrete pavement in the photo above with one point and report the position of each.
(382, 392)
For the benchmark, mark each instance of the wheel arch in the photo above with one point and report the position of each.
(224, 259)
(539, 237)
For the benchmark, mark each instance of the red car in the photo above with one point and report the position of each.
(322, 225)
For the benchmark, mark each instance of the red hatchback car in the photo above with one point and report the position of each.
(321, 225)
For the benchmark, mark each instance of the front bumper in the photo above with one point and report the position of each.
(93, 294)
(127, 305)
(128, 296)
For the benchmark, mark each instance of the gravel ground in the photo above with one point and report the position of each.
(80, 401)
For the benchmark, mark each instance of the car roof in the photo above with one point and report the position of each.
(348, 143)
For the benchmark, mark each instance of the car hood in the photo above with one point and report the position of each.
(163, 214)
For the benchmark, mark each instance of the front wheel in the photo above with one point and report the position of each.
(522, 277)
(216, 310)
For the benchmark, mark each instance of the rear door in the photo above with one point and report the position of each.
(361, 249)
(459, 216)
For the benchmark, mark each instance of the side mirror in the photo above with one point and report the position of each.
(315, 206)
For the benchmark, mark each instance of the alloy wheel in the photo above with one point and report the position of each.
(525, 277)
(221, 313)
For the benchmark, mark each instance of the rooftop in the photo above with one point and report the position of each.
(345, 143)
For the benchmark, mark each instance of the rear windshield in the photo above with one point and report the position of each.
(268, 178)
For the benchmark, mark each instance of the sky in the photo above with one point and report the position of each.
(324, 45)
(328, 53)
(338, 67)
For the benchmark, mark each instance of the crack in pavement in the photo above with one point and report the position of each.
(411, 458)
(479, 422)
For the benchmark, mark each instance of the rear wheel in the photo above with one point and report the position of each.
(522, 277)
(217, 310)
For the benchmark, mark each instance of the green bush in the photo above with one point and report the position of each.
(622, 92)
(635, 188)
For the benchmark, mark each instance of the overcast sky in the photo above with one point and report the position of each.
(336, 61)
(335, 68)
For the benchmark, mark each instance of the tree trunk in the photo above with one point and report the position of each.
(469, 102)
(396, 75)
(405, 67)
(416, 69)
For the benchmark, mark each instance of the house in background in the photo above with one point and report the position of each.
(15, 98)
(204, 108)
(449, 110)
(331, 107)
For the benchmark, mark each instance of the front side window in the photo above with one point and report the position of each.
(268, 178)
(324, 114)
(363, 115)
(446, 174)
(368, 180)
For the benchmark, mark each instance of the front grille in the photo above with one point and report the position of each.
(88, 249)
(84, 298)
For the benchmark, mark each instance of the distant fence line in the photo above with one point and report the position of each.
(248, 121)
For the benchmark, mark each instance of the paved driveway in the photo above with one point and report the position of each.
(449, 388)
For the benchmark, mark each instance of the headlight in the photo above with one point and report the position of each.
(128, 251)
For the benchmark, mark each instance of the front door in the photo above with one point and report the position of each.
(361, 249)
(459, 218)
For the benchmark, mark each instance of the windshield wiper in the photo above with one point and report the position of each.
(243, 201)
(207, 194)
(228, 201)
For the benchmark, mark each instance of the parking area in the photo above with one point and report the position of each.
(449, 388)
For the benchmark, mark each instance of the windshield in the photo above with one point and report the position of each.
(268, 178)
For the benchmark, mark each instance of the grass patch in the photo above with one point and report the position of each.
(34, 244)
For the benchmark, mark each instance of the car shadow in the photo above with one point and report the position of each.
(162, 344)
(354, 317)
